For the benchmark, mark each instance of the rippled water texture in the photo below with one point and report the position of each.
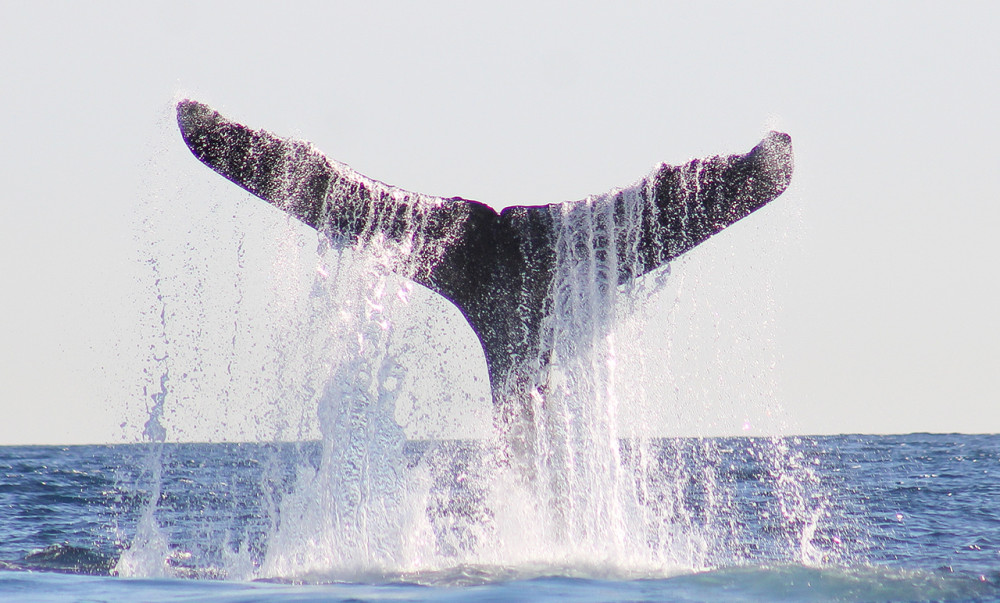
(917, 521)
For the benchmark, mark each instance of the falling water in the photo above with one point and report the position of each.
(582, 491)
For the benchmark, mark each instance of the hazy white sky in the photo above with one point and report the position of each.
(871, 286)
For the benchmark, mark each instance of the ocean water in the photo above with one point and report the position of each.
(910, 517)
(323, 343)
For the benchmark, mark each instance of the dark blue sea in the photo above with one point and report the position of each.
(899, 518)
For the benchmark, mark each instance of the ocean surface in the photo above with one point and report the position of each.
(913, 517)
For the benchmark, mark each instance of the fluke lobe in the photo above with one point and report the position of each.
(499, 269)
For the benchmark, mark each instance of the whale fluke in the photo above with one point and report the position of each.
(496, 267)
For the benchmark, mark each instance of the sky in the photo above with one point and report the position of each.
(862, 300)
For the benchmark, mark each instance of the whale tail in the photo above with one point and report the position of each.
(497, 268)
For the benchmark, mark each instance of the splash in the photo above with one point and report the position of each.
(572, 485)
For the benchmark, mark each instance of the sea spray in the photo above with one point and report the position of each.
(578, 489)
(351, 515)
(148, 551)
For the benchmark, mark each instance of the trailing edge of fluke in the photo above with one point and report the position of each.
(496, 267)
